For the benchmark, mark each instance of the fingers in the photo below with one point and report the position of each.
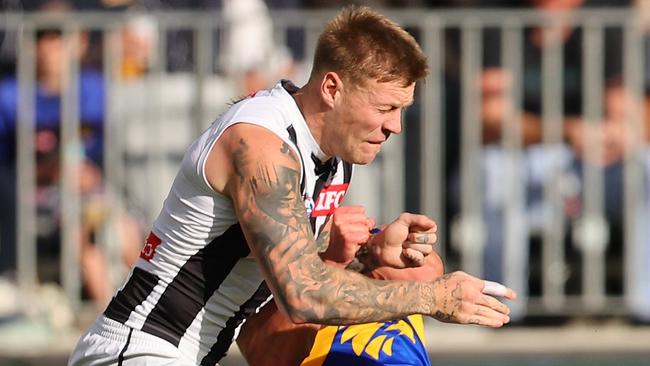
(350, 218)
(497, 289)
(492, 303)
(353, 215)
(415, 257)
(488, 317)
(357, 236)
(425, 249)
(422, 238)
(417, 246)
(416, 222)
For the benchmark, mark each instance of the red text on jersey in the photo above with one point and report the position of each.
(329, 199)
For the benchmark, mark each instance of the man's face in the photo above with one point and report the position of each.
(364, 118)
(50, 54)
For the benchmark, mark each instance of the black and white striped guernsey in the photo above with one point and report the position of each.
(196, 281)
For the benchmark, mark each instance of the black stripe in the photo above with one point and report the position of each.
(325, 171)
(225, 337)
(347, 172)
(194, 284)
(294, 139)
(136, 290)
(120, 358)
(347, 175)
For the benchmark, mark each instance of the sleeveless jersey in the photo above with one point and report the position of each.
(397, 342)
(196, 280)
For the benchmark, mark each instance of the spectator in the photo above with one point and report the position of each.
(495, 83)
(262, 61)
(139, 37)
(51, 61)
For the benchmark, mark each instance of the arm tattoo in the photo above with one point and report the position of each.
(239, 157)
(323, 240)
(274, 219)
(451, 305)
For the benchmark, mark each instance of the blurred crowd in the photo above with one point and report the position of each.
(262, 62)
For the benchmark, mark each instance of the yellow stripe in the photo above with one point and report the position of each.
(388, 347)
(418, 324)
(321, 347)
(374, 346)
(360, 334)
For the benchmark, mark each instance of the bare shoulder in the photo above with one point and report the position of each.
(263, 182)
(241, 147)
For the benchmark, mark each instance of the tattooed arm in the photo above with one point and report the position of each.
(345, 231)
(263, 179)
(269, 338)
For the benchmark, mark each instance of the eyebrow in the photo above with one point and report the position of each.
(395, 105)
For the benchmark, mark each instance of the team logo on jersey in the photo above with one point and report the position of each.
(309, 203)
(374, 339)
(150, 246)
(329, 199)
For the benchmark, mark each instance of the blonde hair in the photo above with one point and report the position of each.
(360, 44)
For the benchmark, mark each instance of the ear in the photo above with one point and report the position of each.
(330, 88)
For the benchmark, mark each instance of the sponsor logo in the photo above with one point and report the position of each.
(150, 246)
(329, 199)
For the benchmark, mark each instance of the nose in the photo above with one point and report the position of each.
(394, 123)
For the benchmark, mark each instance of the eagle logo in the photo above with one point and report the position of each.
(365, 337)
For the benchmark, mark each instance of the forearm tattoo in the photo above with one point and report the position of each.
(323, 240)
(275, 221)
(450, 306)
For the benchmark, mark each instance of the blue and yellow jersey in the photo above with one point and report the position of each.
(399, 342)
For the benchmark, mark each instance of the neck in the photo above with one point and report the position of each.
(314, 111)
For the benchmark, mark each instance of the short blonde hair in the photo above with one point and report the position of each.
(360, 44)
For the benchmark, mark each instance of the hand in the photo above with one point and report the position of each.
(404, 242)
(432, 269)
(461, 298)
(350, 229)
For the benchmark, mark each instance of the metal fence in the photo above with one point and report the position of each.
(149, 122)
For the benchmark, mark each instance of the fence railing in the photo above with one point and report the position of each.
(479, 189)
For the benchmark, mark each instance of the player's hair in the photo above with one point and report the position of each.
(360, 44)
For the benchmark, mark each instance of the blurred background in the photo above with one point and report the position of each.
(528, 144)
